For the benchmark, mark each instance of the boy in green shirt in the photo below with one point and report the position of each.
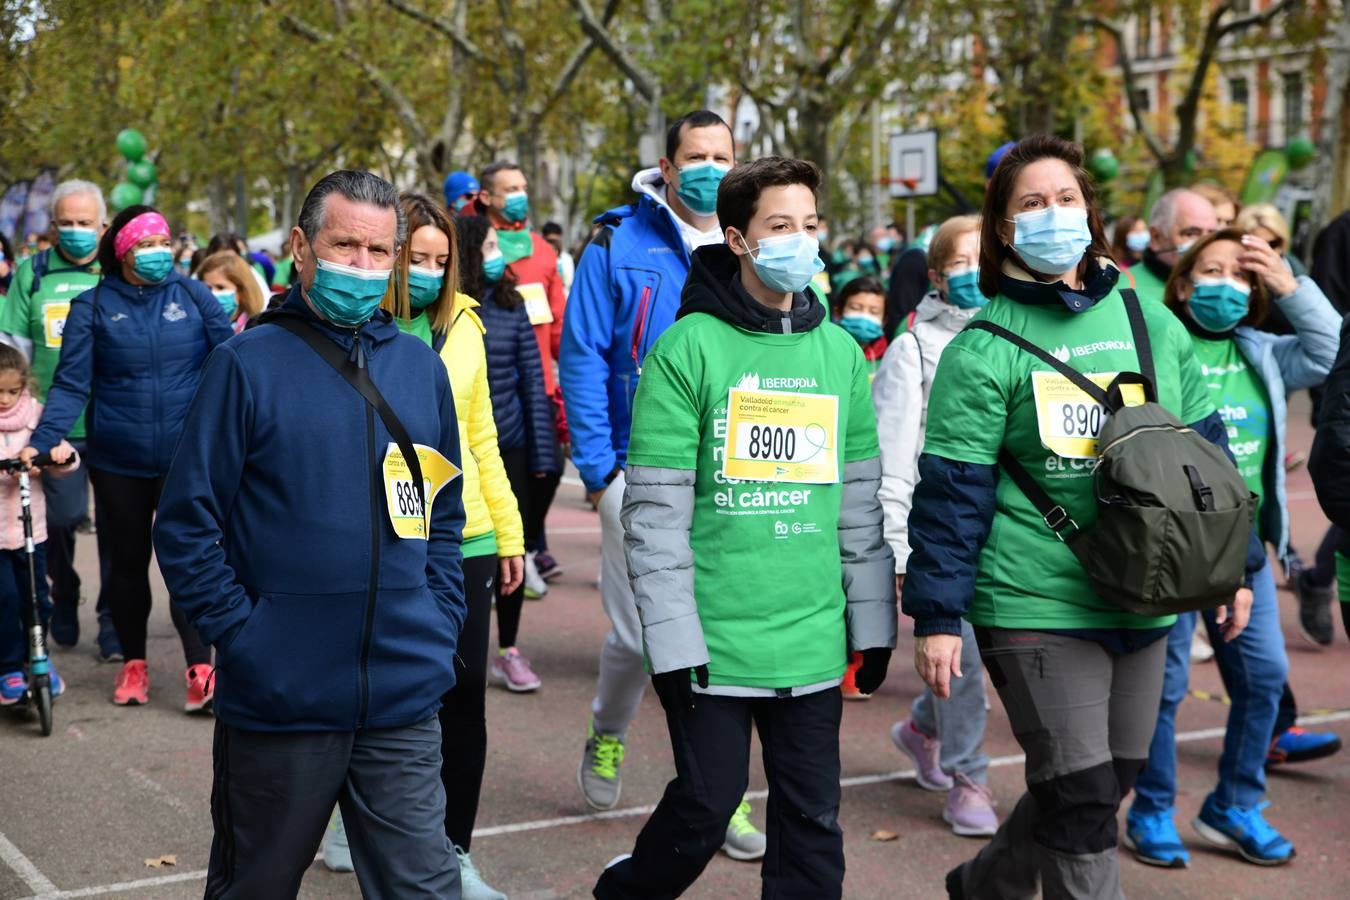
(754, 542)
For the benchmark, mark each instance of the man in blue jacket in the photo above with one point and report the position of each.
(290, 533)
(625, 293)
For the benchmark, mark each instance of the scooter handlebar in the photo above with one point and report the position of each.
(41, 461)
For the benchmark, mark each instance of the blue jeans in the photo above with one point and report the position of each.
(1254, 669)
(14, 618)
(958, 721)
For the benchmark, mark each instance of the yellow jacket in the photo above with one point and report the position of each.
(489, 504)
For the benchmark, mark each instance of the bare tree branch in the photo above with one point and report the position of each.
(1137, 111)
(570, 70)
(643, 83)
(1261, 18)
(866, 54)
(441, 26)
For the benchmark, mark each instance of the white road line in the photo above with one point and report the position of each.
(48, 891)
(23, 867)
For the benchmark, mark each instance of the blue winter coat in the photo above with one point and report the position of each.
(625, 293)
(274, 538)
(135, 355)
(520, 403)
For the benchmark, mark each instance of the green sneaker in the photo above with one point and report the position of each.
(472, 885)
(744, 841)
(598, 776)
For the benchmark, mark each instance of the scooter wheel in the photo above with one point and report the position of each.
(42, 693)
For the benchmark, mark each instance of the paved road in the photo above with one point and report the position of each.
(82, 811)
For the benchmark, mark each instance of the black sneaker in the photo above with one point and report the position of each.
(955, 889)
(1314, 610)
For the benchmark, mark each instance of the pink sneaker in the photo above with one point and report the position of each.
(514, 672)
(970, 809)
(925, 751)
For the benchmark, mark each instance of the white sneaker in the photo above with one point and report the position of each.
(472, 885)
(1201, 651)
(535, 586)
(337, 856)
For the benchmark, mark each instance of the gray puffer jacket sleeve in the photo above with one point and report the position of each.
(869, 564)
(658, 511)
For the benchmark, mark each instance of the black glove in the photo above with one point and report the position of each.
(872, 672)
(674, 689)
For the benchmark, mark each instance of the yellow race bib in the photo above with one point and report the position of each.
(1068, 419)
(54, 322)
(536, 303)
(410, 521)
(781, 436)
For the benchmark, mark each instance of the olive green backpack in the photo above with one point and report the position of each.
(1174, 517)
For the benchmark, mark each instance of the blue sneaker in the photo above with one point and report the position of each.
(58, 686)
(13, 688)
(1294, 745)
(1153, 839)
(109, 648)
(1245, 831)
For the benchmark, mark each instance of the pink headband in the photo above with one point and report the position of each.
(147, 224)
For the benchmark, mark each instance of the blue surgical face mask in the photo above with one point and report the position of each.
(886, 244)
(1183, 247)
(517, 207)
(228, 301)
(494, 267)
(1052, 240)
(1218, 304)
(424, 286)
(698, 186)
(1137, 241)
(963, 289)
(865, 329)
(153, 263)
(787, 262)
(77, 242)
(346, 295)
(461, 203)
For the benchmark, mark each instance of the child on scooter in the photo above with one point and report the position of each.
(19, 414)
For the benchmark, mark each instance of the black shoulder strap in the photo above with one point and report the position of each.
(438, 340)
(358, 376)
(1055, 516)
(1142, 346)
(1078, 378)
(40, 261)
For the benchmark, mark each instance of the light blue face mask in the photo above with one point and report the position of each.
(346, 295)
(963, 289)
(1137, 241)
(77, 242)
(424, 286)
(494, 267)
(787, 262)
(153, 263)
(1218, 304)
(698, 186)
(1052, 240)
(228, 302)
(517, 207)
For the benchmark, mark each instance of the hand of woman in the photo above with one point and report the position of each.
(1232, 619)
(512, 573)
(937, 658)
(62, 453)
(1263, 262)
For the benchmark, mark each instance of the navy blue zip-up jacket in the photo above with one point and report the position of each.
(273, 535)
(134, 354)
(520, 403)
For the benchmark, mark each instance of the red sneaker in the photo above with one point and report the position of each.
(201, 688)
(849, 687)
(132, 687)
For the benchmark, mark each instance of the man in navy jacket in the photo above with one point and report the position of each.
(334, 636)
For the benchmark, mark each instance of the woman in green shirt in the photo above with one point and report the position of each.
(1079, 677)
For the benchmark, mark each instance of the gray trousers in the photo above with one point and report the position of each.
(1084, 717)
(622, 676)
(273, 793)
(958, 722)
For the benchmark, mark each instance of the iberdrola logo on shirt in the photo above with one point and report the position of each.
(751, 381)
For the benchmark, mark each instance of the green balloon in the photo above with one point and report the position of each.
(124, 195)
(1300, 152)
(1103, 165)
(131, 144)
(142, 173)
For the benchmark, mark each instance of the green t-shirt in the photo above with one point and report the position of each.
(767, 576)
(1148, 286)
(984, 397)
(41, 317)
(418, 327)
(1244, 406)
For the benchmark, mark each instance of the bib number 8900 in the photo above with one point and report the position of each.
(1080, 419)
(772, 442)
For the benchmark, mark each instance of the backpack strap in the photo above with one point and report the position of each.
(41, 259)
(1081, 381)
(438, 341)
(1142, 345)
(357, 375)
(1056, 517)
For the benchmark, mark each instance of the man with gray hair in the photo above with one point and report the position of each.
(33, 319)
(1179, 219)
(310, 529)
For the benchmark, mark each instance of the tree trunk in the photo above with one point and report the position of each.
(813, 130)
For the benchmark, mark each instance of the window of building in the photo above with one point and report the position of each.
(1293, 104)
(1238, 97)
(1141, 98)
(1143, 36)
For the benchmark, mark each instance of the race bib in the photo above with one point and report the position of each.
(781, 436)
(1068, 419)
(536, 303)
(410, 521)
(821, 282)
(54, 322)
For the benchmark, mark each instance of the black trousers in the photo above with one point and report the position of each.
(711, 743)
(541, 491)
(126, 510)
(463, 712)
(509, 606)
